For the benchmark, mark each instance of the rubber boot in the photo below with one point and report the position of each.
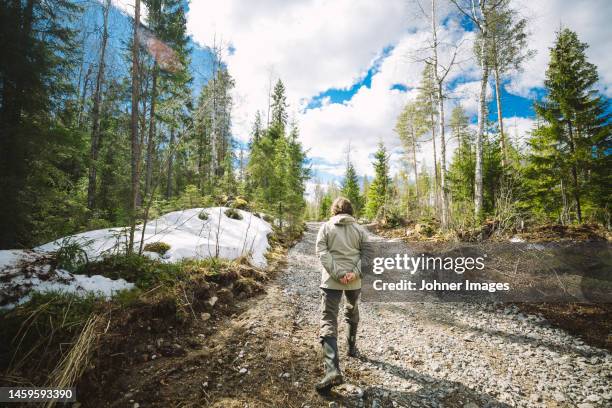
(351, 340)
(331, 362)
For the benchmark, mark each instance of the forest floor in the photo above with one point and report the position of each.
(264, 352)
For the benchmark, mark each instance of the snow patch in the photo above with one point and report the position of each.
(189, 237)
(22, 272)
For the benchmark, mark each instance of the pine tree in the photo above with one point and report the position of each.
(575, 121)
(380, 187)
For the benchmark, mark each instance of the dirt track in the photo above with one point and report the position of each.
(413, 355)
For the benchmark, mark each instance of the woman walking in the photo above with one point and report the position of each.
(339, 245)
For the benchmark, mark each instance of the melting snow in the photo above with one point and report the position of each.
(189, 237)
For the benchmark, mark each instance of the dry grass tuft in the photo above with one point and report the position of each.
(74, 363)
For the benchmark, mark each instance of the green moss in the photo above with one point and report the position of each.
(158, 247)
(140, 270)
(233, 214)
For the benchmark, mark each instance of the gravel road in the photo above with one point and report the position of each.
(451, 354)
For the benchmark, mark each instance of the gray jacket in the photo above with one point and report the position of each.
(339, 250)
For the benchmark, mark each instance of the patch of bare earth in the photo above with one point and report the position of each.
(240, 352)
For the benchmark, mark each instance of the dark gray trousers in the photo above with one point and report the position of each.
(330, 305)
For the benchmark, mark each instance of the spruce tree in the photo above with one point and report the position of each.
(575, 119)
(298, 173)
(279, 111)
(325, 207)
(380, 187)
(350, 188)
(40, 150)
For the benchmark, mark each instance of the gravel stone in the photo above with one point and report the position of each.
(425, 354)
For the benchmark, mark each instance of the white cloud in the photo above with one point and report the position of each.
(315, 45)
(518, 130)
(589, 19)
(127, 7)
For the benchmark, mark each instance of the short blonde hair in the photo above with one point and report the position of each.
(341, 205)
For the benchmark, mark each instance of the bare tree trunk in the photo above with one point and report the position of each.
(482, 119)
(563, 217)
(440, 116)
(135, 142)
(435, 155)
(151, 139)
(83, 95)
(442, 158)
(416, 175)
(170, 164)
(214, 131)
(201, 141)
(95, 131)
(575, 173)
(500, 121)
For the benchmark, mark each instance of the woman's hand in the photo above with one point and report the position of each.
(349, 277)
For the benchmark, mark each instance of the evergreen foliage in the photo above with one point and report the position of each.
(379, 190)
(350, 189)
(570, 157)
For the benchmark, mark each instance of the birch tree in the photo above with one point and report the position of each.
(509, 49)
(440, 70)
(481, 13)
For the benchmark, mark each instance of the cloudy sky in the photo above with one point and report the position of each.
(349, 66)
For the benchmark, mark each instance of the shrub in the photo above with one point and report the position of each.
(203, 215)
(240, 203)
(159, 247)
(140, 270)
(222, 199)
(424, 229)
(70, 255)
(98, 223)
(233, 214)
(190, 198)
(394, 218)
(267, 218)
